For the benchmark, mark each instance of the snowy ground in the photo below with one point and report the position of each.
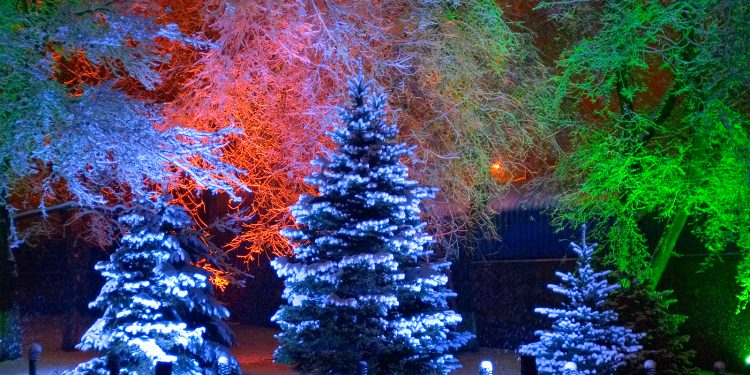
(254, 350)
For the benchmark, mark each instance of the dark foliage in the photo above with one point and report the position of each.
(646, 311)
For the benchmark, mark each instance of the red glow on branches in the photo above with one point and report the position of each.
(73, 69)
(274, 71)
(274, 75)
(216, 276)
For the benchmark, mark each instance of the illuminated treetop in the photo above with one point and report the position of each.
(670, 135)
(453, 70)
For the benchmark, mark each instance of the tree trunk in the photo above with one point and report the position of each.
(10, 323)
(671, 234)
(665, 248)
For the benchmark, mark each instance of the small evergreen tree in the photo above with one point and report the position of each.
(358, 288)
(644, 310)
(10, 334)
(158, 306)
(584, 331)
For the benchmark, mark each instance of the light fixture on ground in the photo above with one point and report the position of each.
(485, 368)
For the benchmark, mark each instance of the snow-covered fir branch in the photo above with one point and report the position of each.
(584, 331)
(357, 288)
(157, 305)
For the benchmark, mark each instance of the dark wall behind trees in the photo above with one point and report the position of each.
(45, 281)
(509, 280)
(707, 294)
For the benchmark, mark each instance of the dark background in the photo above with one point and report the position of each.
(508, 280)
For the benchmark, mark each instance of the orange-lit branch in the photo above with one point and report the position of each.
(217, 277)
(276, 73)
(73, 69)
(279, 67)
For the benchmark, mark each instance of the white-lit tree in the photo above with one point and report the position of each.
(92, 134)
(584, 331)
(358, 287)
(65, 145)
(158, 306)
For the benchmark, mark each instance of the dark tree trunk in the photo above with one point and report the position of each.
(10, 324)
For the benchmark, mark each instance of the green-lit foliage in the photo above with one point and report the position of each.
(478, 95)
(681, 155)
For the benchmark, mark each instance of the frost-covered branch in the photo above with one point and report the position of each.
(85, 132)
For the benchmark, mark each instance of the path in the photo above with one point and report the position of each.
(254, 350)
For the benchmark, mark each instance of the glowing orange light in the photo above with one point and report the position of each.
(501, 174)
(73, 68)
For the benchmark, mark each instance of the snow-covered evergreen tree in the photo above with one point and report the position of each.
(157, 305)
(359, 287)
(584, 331)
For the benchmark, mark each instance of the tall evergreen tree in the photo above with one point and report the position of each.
(157, 305)
(584, 330)
(359, 287)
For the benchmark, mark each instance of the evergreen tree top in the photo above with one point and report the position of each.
(364, 191)
(364, 117)
(584, 330)
(585, 286)
(165, 216)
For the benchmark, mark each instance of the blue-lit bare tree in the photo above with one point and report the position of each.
(65, 147)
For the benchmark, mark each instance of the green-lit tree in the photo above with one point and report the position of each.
(668, 134)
